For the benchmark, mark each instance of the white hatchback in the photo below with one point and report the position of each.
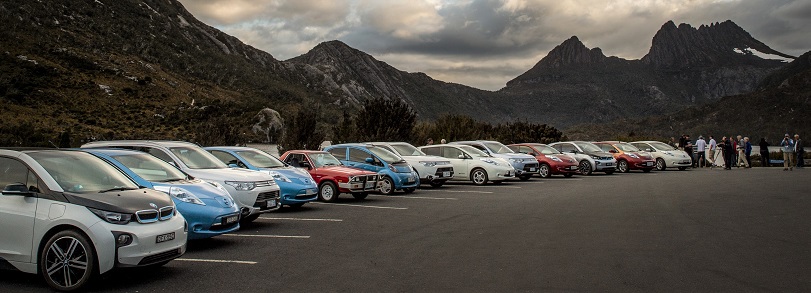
(433, 170)
(471, 164)
(665, 155)
(67, 215)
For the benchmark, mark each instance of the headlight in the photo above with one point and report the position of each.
(112, 217)
(355, 179)
(668, 153)
(556, 159)
(185, 196)
(633, 156)
(595, 157)
(278, 176)
(514, 160)
(391, 167)
(489, 161)
(241, 186)
(428, 164)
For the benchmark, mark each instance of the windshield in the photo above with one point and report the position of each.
(260, 159)
(546, 150)
(498, 148)
(79, 172)
(385, 155)
(150, 168)
(473, 152)
(626, 147)
(323, 159)
(589, 147)
(662, 146)
(197, 158)
(407, 150)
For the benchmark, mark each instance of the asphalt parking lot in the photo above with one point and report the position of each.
(695, 230)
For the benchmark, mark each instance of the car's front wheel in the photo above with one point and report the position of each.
(660, 164)
(478, 176)
(622, 166)
(544, 171)
(328, 192)
(585, 167)
(67, 260)
(387, 187)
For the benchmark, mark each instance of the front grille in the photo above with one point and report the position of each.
(263, 197)
(163, 256)
(440, 171)
(528, 167)
(606, 158)
(151, 216)
(264, 183)
(166, 213)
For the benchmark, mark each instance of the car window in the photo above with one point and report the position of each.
(662, 146)
(225, 157)
(498, 148)
(626, 147)
(432, 151)
(197, 158)
(12, 171)
(565, 148)
(588, 147)
(451, 152)
(546, 150)
(606, 147)
(473, 152)
(323, 159)
(641, 146)
(406, 150)
(385, 155)
(478, 147)
(339, 153)
(80, 172)
(150, 168)
(525, 150)
(160, 154)
(356, 155)
(260, 159)
(295, 160)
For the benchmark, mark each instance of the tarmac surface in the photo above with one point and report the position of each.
(695, 230)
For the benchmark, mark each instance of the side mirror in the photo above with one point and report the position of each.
(232, 165)
(533, 154)
(573, 151)
(17, 189)
(461, 157)
(304, 165)
(370, 160)
(612, 151)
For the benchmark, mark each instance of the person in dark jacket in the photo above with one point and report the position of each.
(747, 151)
(798, 149)
(764, 152)
(729, 148)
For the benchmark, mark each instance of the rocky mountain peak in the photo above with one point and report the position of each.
(571, 51)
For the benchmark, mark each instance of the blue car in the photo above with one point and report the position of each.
(394, 172)
(209, 209)
(296, 185)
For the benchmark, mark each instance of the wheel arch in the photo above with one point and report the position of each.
(63, 227)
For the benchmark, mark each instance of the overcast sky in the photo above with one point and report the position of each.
(485, 43)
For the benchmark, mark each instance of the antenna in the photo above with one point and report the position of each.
(53, 144)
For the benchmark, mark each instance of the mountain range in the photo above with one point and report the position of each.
(148, 69)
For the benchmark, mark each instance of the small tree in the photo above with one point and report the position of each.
(384, 120)
(301, 132)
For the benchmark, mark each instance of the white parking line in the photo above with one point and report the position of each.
(417, 197)
(497, 186)
(267, 236)
(357, 205)
(458, 191)
(217, 261)
(302, 219)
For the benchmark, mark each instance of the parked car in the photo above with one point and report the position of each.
(666, 156)
(525, 165)
(68, 215)
(296, 185)
(331, 176)
(209, 210)
(472, 164)
(628, 156)
(552, 162)
(431, 169)
(591, 158)
(253, 191)
(395, 173)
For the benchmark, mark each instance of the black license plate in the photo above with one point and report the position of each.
(165, 237)
(230, 220)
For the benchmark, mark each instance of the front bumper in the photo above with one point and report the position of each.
(367, 183)
(605, 165)
(524, 168)
(209, 221)
(293, 193)
(144, 249)
(436, 173)
(560, 168)
(641, 164)
(406, 180)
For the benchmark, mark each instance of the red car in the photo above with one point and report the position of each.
(552, 162)
(628, 156)
(332, 177)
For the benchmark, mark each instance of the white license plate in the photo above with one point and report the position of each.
(649, 164)
(532, 169)
(271, 203)
(573, 168)
(609, 164)
(165, 237)
(370, 184)
(410, 179)
(230, 220)
(446, 174)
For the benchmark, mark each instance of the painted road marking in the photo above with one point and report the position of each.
(458, 191)
(266, 236)
(217, 261)
(417, 197)
(356, 205)
(302, 219)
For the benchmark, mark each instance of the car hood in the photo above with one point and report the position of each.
(230, 174)
(126, 201)
(343, 170)
(296, 175)
(205, 191)
(564, 158)
(514, 156)
(601, 154)
(416, 159)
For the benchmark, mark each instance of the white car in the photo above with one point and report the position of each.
(591, 157)
(255, 192)
(67, 215)
(471, 164)
(525, 165)
(432, 169)
(666, 156)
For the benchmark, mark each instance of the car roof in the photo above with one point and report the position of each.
(113, 151)
(18, 150)
(305, 151)
(611, 142)
(230, 148)
(166, 143)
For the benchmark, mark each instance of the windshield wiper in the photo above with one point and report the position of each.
(118, 189)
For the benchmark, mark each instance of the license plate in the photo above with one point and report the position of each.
(609, 164)
(165, 237)
(573, 168)
(271, 203)
(410, 179)
(649, 164)
(532, 169)
(370, 184)
(446, 174)
(230, 220)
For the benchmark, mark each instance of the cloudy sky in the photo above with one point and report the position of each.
(485, 43)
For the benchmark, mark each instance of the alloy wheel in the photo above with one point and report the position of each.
(479, 177)
(327, 192)
(585, 168)
(66, 262)
(544, 171)
(387, 187)
(623, 166)
(660, 165)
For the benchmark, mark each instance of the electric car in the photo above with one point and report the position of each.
(431, 169)
(68, 215)
(552, 161)
(472, 164)
(666, 156)
(628, 156)
(525, 165)
(395, 173)
(591, 158)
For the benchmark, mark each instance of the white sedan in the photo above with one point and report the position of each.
(471, 164)
(665, 155)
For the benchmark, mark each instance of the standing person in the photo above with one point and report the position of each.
(688, 148)
(798, 149)
(430, 141)
(787, 146)
(673, 142)
(682, 142)
(713, 149)
(741, 150)
(728, 149)
(734, 148)
(748, 152)
(764, 152)
(443, 141)
(701, 148)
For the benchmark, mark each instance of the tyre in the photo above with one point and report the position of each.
(568, 175)
(249, 219)
(436, 184)
(682, 168)
(478, 176)
(622, 166)
(660, 164)
(545, 171)
(409, 190)
(360, 195)
(328, 192)
(67, 260)
(525, 177)
(646, 170)
(585, 167)
(387, 188)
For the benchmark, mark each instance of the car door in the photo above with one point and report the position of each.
(229, 159)
(357, 158)
(461, 167)
(17, 212)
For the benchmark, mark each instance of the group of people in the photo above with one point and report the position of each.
(711, 153)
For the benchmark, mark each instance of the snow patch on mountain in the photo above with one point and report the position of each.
(750, 51)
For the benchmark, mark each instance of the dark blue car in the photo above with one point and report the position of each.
(209, 209)
(395, 173)
(296, 185)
